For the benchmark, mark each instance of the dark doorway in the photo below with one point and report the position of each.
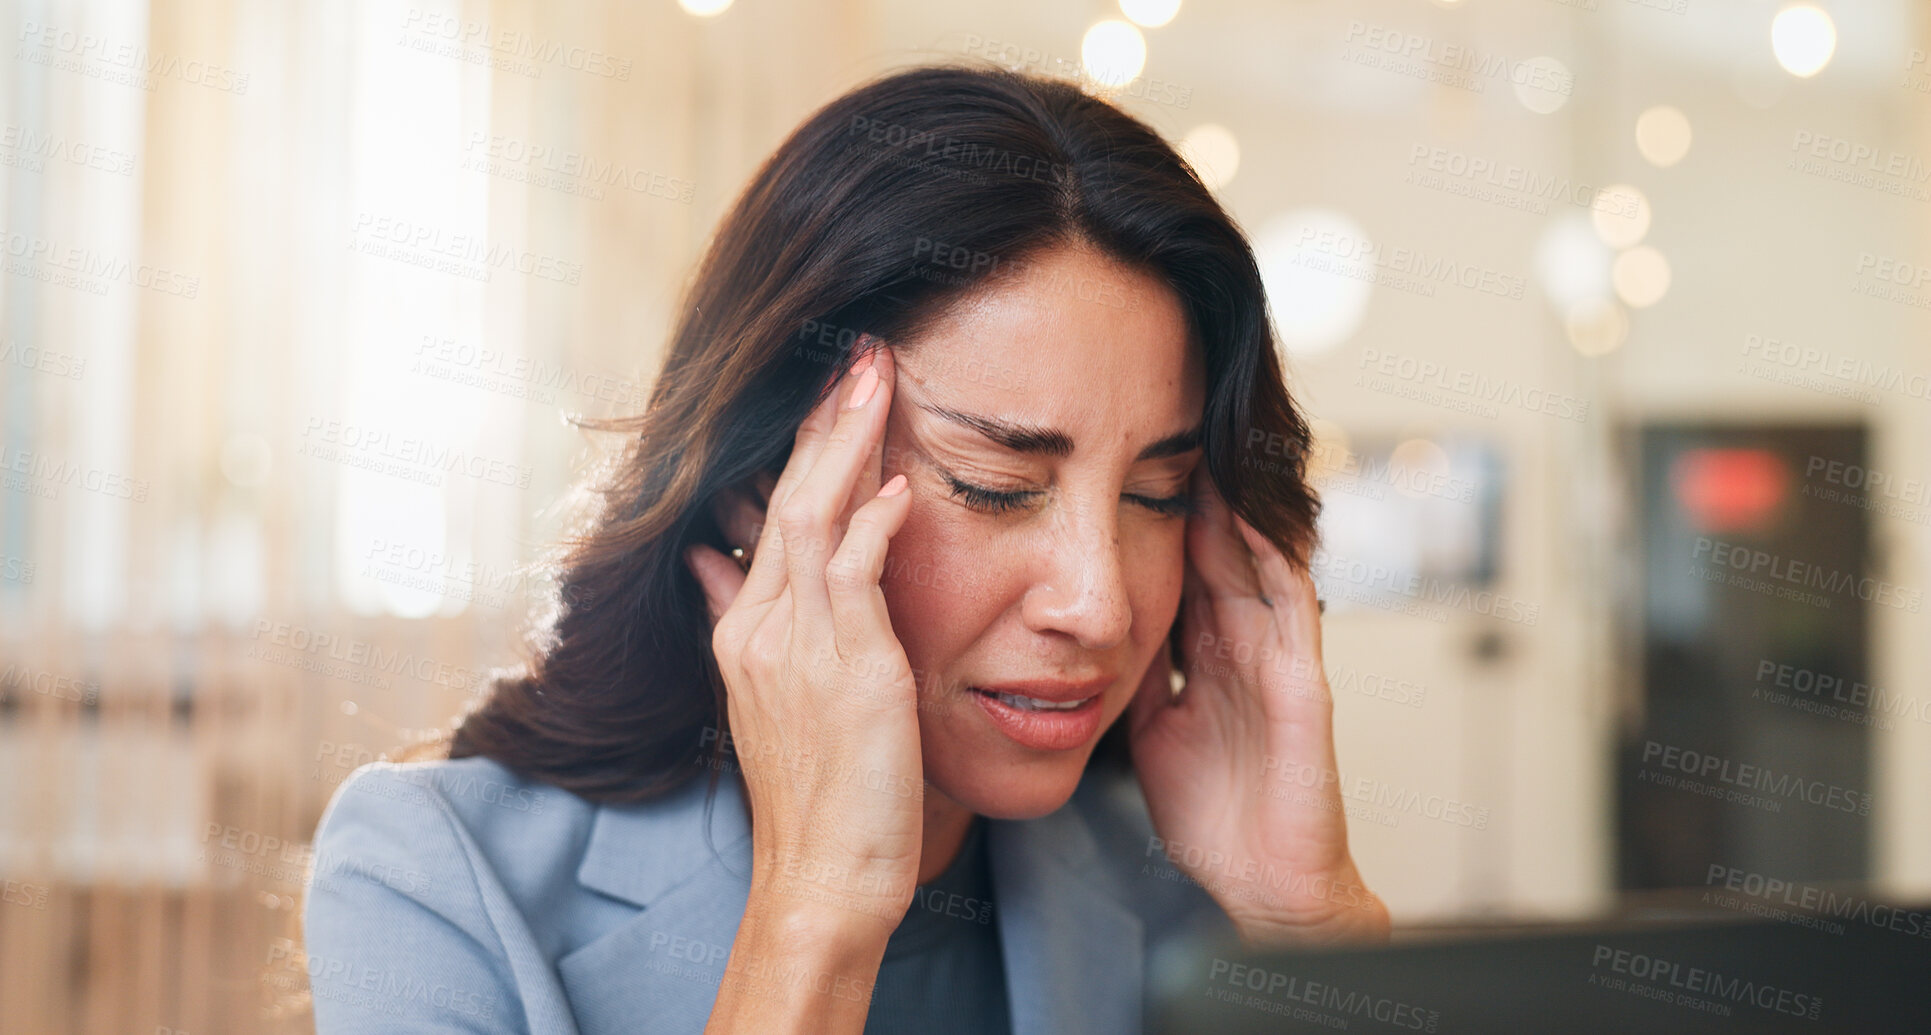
(1753, 746)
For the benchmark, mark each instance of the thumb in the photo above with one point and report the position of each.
(720, 577)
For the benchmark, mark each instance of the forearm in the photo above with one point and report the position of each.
(798, 968)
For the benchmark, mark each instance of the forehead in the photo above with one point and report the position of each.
(1063, 332)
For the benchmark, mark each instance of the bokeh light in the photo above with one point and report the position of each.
(1596, 326)
(1150, 13)
(1113, 52)
(1620, 215)
(1542, 84)
(1315, 264)
(1213, 152)
(1641, 276)
(1663, 135)
(1803, 38)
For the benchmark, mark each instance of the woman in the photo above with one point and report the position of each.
(954, 453)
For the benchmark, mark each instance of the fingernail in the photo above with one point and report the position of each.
(893, 487)
(867, 384)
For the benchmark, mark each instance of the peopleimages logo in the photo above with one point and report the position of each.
(1701, 982)
(1439, 167)
(1706, 766)
(1473, 386)
(1812, 898)
(1812, 576)
(283, 643)
(1278, 991)
(1861, 700)
(463, 254)
(1375, 577)
(1400, 267)
(1475, 62)
(1841, 367)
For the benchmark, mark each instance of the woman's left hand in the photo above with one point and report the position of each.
(1239, 770)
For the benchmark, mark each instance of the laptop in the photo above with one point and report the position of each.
(1864, 968)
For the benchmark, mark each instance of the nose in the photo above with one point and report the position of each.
(1080, 590)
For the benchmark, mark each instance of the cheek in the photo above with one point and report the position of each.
(934, 589)
(1157, 573)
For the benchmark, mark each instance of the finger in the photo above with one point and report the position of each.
(1214, 547)
(1303, 713)
(1301, 700)
(818, 424)
(870, 471)
(812, 517)
(852, 577)
(766, 576)
(771, 559)
(1291, 591)
(720, 578)
(870, 479)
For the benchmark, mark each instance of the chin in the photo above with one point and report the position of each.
(1013, 788)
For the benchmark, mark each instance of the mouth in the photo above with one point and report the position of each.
(1044, 716)
(1032, 704)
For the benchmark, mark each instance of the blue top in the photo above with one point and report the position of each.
(456, 896)
(942, 974)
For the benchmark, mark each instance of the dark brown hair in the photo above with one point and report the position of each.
(885, 206)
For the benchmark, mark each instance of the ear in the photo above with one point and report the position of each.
(740, 510)
(717, 575)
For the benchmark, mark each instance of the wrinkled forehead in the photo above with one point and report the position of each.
(1069, 331)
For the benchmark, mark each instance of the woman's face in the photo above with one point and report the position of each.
(1048, 427)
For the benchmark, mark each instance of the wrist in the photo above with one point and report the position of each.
(830, 902)
(1335, 906)
(798, 968)
(1364, 919)
(832, 938)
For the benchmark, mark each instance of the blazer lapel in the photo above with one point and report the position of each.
(1074, 955)
(660, 969)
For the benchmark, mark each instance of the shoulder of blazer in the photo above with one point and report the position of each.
(449, 820)
(539, 838)
(489, 801)
(420, 883)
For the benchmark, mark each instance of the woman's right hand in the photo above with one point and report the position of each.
(822, 702)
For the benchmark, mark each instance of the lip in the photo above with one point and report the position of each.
(1046, 730)
(1058, 691)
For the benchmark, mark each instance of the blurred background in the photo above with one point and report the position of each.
(1612, 314)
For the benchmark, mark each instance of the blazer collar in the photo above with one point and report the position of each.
(637, 853)
(1074, 954)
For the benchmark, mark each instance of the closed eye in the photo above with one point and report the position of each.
(991, 501)
(1001, 501)
(1166, 506)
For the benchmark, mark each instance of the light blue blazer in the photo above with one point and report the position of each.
(459, 897)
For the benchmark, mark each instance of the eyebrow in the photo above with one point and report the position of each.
(1029, 438)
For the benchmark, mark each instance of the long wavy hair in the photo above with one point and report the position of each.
(888, 204)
